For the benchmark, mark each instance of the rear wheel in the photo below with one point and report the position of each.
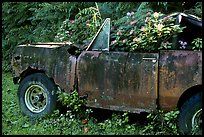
(37, 95)
(190, 120)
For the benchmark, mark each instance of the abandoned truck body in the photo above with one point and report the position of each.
(124, 81)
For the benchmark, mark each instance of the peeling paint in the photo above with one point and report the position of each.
(57, 63)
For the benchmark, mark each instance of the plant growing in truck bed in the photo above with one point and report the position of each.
(151, 33)
(144, 30)
(197, 44)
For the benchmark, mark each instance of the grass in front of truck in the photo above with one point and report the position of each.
(67, 123)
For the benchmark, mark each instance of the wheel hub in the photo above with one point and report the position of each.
(36, 98)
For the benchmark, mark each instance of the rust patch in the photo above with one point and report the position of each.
(57, 63)
(178, 71)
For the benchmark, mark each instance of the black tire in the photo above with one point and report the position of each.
(191, 114)
(37, 95)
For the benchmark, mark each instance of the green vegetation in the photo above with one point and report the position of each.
(146, 31)
(161, 123)
(58, 123)
(32, 22)
(197, 43)
(76, 119)
(82, 29)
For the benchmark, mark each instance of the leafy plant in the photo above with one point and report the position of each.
(83, 28)
(195, 10)
(149, 33)
(197, 44)
(73, 102)
(161, 123)
(116, 121)
(117, 125)
(126, 27)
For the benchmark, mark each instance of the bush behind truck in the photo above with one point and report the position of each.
(116, 80)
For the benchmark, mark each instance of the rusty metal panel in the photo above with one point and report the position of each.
(178, 71)
(55, 61)
(142, 78)
(118, 80)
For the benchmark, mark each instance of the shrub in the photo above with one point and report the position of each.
(74, 103)
(118, 125)
(149, 34)
(161, 123)
(197, 44)
(82, 28)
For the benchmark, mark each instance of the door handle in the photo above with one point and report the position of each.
(154, 60)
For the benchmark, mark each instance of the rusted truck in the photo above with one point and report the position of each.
(122, 81)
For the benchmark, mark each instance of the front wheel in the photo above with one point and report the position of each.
(37, 95)
(190, 118)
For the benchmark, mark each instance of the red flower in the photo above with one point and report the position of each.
(165, 18)
(159, 27)
(133, 22)
(143, 29)
(131, 32)
(86, 129)
(136, 40)
(84, 121)
(113, 42)
(72, 21)
(119, 33)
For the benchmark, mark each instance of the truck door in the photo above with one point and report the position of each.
(141, 81)
(118, 80)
